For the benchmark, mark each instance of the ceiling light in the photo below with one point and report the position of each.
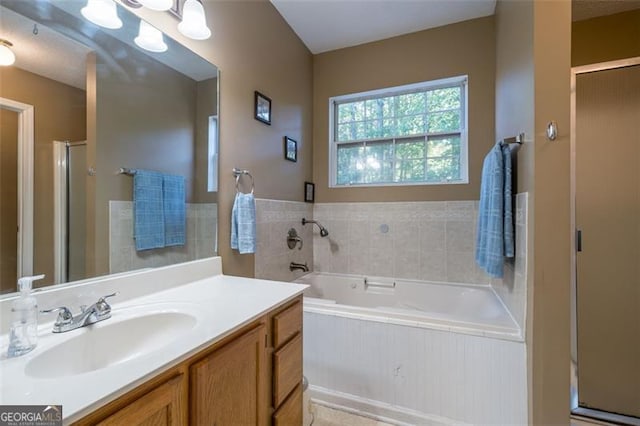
(150, 38)
(103, 13)
(161, 5)
(194, 22)
(7, 57)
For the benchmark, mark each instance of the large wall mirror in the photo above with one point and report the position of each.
(82, 110)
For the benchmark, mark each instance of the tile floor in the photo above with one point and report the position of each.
(325, 416)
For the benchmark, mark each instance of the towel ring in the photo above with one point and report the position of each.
(239, 172)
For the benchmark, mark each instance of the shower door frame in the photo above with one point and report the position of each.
(576, 409)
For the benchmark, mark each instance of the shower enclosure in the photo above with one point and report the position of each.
(70, 178)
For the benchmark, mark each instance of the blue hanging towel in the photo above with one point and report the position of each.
(174, 210)
(148, 210)
(243, 223)
(494, 238)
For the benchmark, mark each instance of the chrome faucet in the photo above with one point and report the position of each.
(301, 266)
(97, 312)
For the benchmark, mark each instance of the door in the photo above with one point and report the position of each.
(608, 214)
(8, 200)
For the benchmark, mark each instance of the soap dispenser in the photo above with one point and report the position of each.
(23, 335)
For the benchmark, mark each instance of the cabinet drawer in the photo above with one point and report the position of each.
(290, 414)
(286, 324)
(287, 369)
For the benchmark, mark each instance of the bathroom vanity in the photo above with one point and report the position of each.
(185, 345)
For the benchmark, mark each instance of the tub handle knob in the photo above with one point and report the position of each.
(293, 239)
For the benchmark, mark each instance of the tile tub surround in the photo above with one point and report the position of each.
(427, 240)
(273, 220)
(512, 289)
(201, 238)
(430, 240)
(431, 376)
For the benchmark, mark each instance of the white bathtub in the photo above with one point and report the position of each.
(471, 309)
(413, 352)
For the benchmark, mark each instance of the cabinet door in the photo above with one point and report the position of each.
(162, 406)
(227, 387)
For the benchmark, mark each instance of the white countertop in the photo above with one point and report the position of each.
(221, 304)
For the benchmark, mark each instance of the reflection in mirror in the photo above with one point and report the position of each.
(100, 103)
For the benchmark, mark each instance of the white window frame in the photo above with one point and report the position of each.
(212, 154)
(391, 91)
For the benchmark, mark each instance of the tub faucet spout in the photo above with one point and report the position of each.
(298, 266)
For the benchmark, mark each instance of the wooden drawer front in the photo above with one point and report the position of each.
(290, 414)
(162, 406)
(287, 369)
(286, 324)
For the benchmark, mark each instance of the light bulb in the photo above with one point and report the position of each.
(194, 22)
(161, 5)
(7, 57)
(102, 13)
(150, 38)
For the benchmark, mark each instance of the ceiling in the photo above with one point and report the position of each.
(46, 53)
(586, 9)
(325, 25)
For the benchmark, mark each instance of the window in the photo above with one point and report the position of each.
(212, 167)
(414, 134)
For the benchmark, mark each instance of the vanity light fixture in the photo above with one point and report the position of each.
(102, 13)
(7, 57)
(160, 5)
(150, 38)
(194, 21)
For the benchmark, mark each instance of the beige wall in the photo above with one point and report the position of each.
(515, 82)
(606, 38)
(60, 114)
(457, 49)
(533, 41)
(8, 200)
(549, 306)
(255, 50)
(153, 129)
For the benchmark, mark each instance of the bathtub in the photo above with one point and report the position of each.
(413, 352)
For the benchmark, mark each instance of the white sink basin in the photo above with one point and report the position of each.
(105, 344)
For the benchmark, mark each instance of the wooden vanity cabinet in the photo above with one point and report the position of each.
(252, 377)
(286, 367)
(227, 386)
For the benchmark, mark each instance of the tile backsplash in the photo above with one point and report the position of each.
(512, 289)
(273, 220)
(430, 240)
(201, 238)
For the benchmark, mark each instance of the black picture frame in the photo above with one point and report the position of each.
(290, 149)
(262, 108)
(309, 192)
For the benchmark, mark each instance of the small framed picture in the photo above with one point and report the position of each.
(309, 192)
(262, 108)
(290, 149)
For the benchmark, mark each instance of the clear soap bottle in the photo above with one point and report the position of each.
(23, 336)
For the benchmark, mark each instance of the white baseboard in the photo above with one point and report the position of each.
(377, 410)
